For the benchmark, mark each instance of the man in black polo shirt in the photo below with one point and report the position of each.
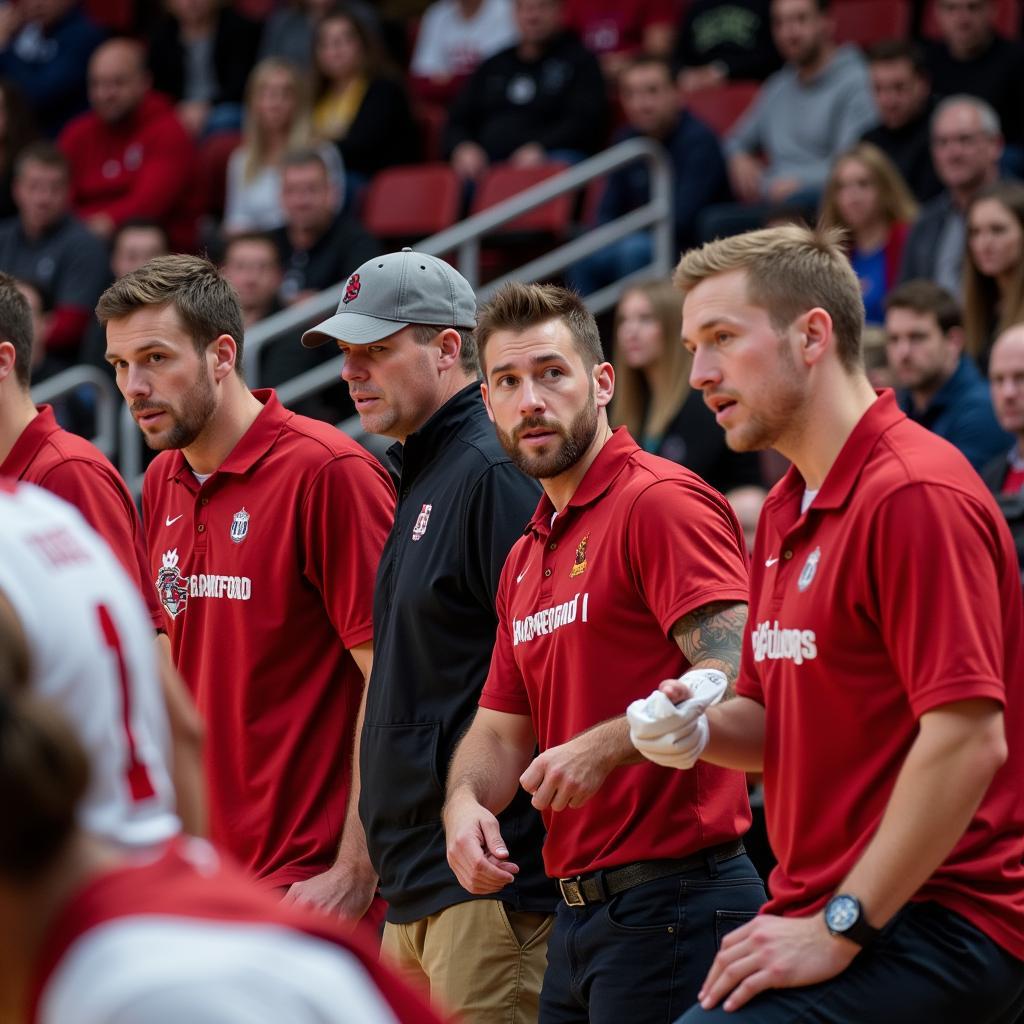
(405, 325)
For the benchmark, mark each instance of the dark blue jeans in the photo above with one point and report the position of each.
(929, 966)
(641, 956)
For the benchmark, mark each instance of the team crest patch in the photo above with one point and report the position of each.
(579, 567)
(352, 289)
(173, 592)
(809, 569)
(240, 526)
(422, 519)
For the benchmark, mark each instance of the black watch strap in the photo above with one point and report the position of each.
(844, 916)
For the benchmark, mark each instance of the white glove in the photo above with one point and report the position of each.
(675, 735)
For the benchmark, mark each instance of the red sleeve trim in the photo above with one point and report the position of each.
(953, 691)
(494, 702)
(692, 602)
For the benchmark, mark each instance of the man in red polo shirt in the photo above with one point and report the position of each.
(881, 684)
(631, 568)
(264, 530)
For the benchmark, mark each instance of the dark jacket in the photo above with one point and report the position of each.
(236, 42)
(558, 101)
(909, 148)
(699, 178)
(736, 32)
(961, 412)
(461, 507)
(1011, 505)
(383, 132)
(922, 246)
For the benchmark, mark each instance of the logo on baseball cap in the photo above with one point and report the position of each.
(392, 291)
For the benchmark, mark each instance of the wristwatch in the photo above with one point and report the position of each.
(844, 916)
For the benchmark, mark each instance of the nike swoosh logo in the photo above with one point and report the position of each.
(769, 562)
(170, 522)
(519, 578)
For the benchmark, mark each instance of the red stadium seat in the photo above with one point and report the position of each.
(503, 181)
(431, 118)
(721, 106)
(868, 21)
(1007, 19)
(412, 202)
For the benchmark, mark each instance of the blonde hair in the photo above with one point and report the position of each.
(790, 270)
(254, 141)
(896, 202)
(982, 297)
(636, 406)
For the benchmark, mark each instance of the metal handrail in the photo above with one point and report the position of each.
(107, 400)
(465, 239)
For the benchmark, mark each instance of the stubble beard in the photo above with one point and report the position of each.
(189, 417)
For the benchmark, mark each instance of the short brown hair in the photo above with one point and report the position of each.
(924, 296)
(204, 301)
(515, 307)
(16, 327)
(790, 269)
(45, 153)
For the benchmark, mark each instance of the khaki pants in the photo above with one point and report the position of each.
(478, 960)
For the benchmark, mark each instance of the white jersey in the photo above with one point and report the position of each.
(93, 654)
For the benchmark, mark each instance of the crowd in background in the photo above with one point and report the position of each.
(253, 129)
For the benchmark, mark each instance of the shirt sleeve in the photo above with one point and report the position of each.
(345, 520)
(934, 554)
(504, 689)
(685, 549)
(499, 507)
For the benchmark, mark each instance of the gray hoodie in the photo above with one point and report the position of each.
(800, 127)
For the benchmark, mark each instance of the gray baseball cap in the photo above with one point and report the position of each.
(392, 291)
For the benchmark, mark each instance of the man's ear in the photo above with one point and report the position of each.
(604, 384)
(7, 360)
(487, 400)
(816, 334)
(957, 337)
(449, 344)
(225, 353)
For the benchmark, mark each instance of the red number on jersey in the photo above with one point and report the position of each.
(138, 777)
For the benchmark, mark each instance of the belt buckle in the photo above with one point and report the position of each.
(572, 891)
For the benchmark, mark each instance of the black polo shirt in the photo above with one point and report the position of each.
(462, 505)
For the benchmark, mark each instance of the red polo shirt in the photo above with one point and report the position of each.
(586, 607)
(896, 593)
(74, 469)
(266, 575)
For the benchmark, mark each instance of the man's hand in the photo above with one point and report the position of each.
(782, 188)
(343, 889)
(745, 177)
(774, 952)
(476, 852)
(567, 775)
(469, 160)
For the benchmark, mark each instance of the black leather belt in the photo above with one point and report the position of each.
(602, 885)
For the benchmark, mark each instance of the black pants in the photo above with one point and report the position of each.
(641, 956)
(929, 966)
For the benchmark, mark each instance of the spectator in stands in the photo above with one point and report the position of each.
(966, 146)
(866, 196)
(252, 266)
(45, 46)
(724, 40)
(17, 130)
(454, 37)
(938, 385)
(972, 58)
(129, 155)
(201, 53)
(653, 397)
(319, 246)
(651, 107)
(899, 81)
(543, 99)
(805, 115)
(358, 103)
(616, 30)
(1005, 473)
(288, 32)
(45, 244)
(994, 266)
(277, 118)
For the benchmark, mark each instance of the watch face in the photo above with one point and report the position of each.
(842, 913)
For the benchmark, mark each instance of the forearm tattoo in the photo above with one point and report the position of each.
(712, 637)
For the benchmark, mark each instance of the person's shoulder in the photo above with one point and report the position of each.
(158, 472)
(649, 479)
(79, 129)
(314, 443)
